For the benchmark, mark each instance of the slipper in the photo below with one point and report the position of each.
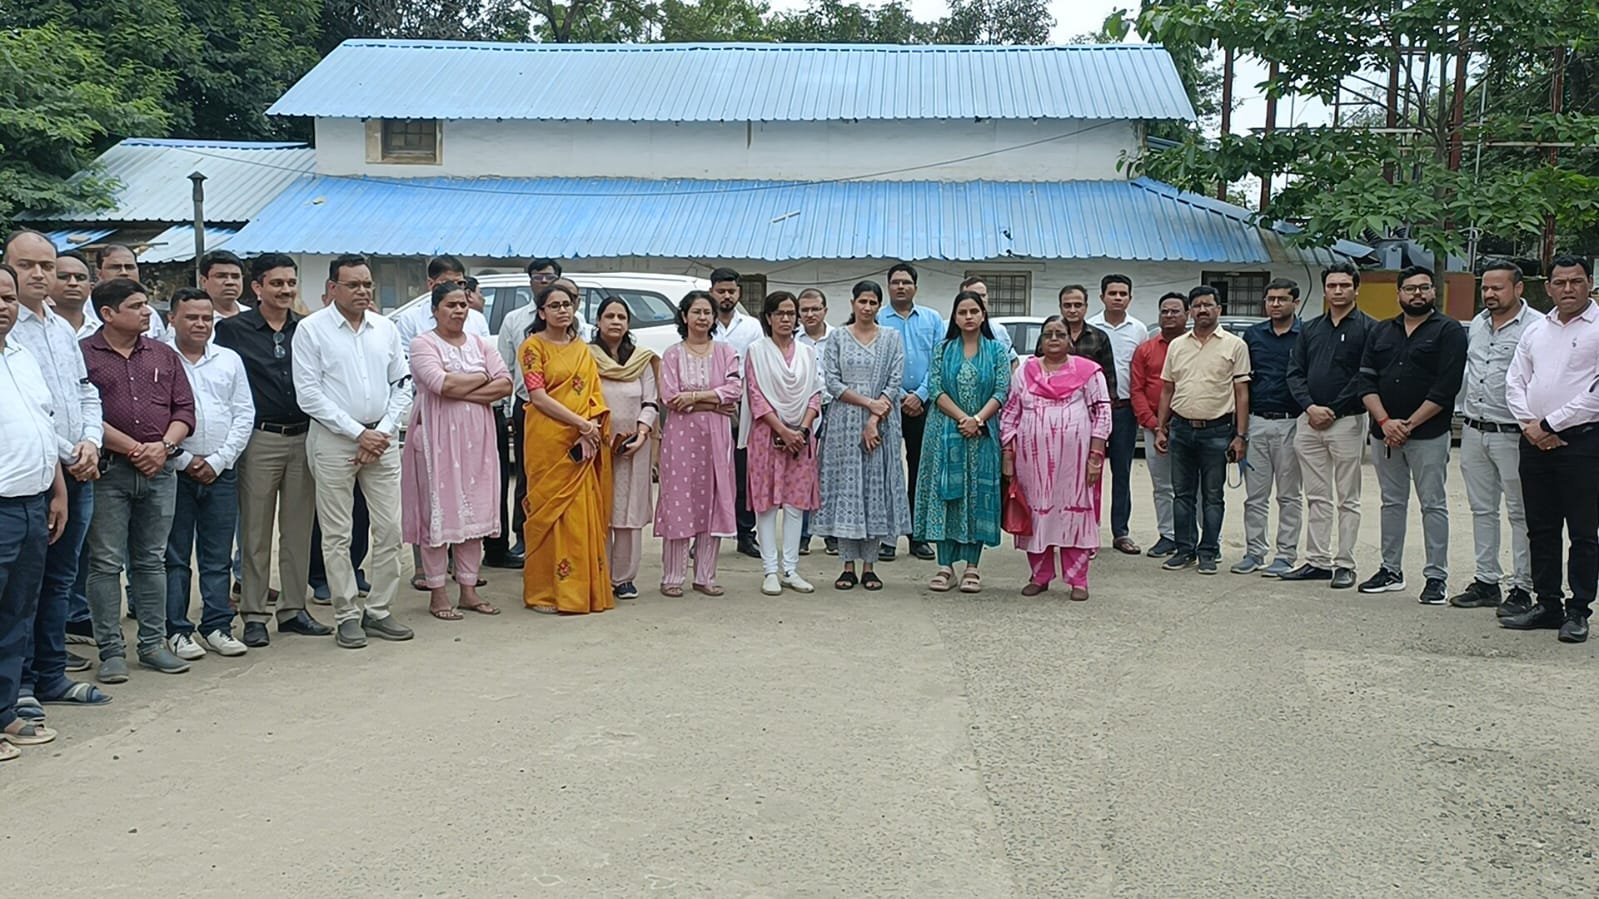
(942, 581)
(27, 734)
(448, 613)
(846, 581)
(672, 591)
(79, 694)
(9, 752)
(709, 589)
(871, 581)
(482, 583)
(971, 582)
(418, 582)
(546, 610)
(482, 608)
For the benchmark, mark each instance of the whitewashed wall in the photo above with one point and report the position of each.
(1070, 151)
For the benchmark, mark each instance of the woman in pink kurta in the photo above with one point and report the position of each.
(628, 381)
(783, 398)
(450, 487)
(1053, 430)
(700, 385)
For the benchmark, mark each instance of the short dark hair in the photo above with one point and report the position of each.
(470, 283)
(107, 250)
(1341, 268)
(536, 264)
(1568, 260)
(973, 279)
(1177, 295)
(219, 257)
(1068, 289)
(444, 262)
(72, 254)
(687, 303)
(815, 292)
(112, 293)
(266, 262)
(773, 300)
(1114, 278)
(1204, 290)
(1505, 265)
(10, 271)
(21, 232)
(442, 290)
(723, 274)
(1288, 284)
(343, 261)
(1411, 271)
(185, 295)
(908, 269)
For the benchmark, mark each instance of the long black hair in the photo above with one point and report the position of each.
(444, 289)
(686, 304)
(954, 330)
(543, 296)
(861, 287)
(624, 349)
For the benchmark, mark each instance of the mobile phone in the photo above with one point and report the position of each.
(628, 443)
(1231, 456)
(777, 441)
(576, 452)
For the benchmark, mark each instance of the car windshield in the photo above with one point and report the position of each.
(649, 308)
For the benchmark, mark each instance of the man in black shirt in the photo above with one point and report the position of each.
(1086, 340)
(1409, 378)
(1330, 435)
(274, 473)
(1273, 416)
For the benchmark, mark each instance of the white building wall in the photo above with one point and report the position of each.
(1004, 150)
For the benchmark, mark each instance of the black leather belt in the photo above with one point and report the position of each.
(1275, 416)
(272, 427)
(1120, 404)
(1200, 424)
(1490, 427)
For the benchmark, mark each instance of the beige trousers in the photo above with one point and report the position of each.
(1329, 462)
(333, 466)
(274, 486)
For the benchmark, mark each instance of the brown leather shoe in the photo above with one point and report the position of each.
(1126, 545)
(1033, 589)
(1079, 594)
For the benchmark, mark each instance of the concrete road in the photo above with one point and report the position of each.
(1177, 735)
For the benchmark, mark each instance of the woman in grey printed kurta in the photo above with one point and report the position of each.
(863, 467)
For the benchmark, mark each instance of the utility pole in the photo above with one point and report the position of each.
(1557, 90)
(199, 221)
(1271, 125)
(1457, 112)
(1226, 107)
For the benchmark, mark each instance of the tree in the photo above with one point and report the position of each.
(60, 100)
(997, 22)
(841, 22)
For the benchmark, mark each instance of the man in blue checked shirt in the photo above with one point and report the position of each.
(921, 329)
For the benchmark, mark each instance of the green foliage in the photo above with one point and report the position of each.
(997, 22)
(839, 22)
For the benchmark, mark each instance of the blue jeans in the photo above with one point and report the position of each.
(44, 669)
(1119, 453)
(78, 603)
(132, 517)
(1198, 474)
(203, 522)
(24, 541)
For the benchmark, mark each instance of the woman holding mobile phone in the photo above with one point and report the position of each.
(781, 403)
(957, 485)
(700, 385)
(863, 484)
(568, 477)
(628, 380)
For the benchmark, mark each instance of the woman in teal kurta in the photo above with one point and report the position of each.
(957, 484)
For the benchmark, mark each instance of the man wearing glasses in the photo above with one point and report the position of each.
(1409, 378)
(274, 483)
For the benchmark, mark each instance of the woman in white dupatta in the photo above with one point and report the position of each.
(782, 399)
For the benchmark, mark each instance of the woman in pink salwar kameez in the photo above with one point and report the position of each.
(1053, 430)
(450, 484)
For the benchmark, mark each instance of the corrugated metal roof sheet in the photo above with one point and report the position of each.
(736, 82)
(241, 177)
(72, 238)
(176, 244)
(767, 220)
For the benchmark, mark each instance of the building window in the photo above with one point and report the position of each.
(1242, 293)
(407, 141)
(752, 293)
(1009, 293)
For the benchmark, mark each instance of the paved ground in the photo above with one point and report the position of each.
(1177, 735)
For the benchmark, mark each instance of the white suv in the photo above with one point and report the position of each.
(653, 300)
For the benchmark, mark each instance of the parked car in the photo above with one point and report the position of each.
(652, 298)
(1235, 324)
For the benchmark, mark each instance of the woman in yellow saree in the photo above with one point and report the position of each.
(568, 479)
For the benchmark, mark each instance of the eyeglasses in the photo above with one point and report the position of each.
(355, 285)
(543, 279)
(278, 350)
(1055, 335)
(1415, 288)
(783, 313)
(559, 304)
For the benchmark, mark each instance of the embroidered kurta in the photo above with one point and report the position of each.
(1048, 421)
(777, 478)
(697, 481)
(863, 493)
(957, 485)
(450, 476)
(632, 402)
(568, 503)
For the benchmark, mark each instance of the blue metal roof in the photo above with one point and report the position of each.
(176, 244)
(153, 179)
(73, 238)
(736, 82)
(766, 220)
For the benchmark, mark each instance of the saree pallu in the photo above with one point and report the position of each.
(568, 503)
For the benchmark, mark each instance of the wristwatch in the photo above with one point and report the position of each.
(171, 448)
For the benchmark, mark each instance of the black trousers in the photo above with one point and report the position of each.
(360, 537)
(1561, 491)
(496, 546)
(518, 438)
(741, 498)
(912, 427)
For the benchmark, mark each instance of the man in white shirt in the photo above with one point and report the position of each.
(977, 285)
(1551, 390)
(33, 513)
(117, 261)
(1125, 333)
(515, 327)
(418, 317)
(69, 298)
(814, 331)
(77, 421)
(351, 376)
(222, 279)
(206, 513)
(738, 330)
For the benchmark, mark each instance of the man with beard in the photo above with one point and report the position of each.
(740, 331)
(1409, 377)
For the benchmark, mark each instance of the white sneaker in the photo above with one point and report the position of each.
(771, 586)
(223, 644)
(794, 582)
(184, 647)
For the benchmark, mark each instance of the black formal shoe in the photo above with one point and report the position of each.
(922, 550)
(1477, 595)
(1308, 572)
(886, 553)
(303, 624)
(748, 547)
(1516, 602)
(1539, 617)
(1343, 578)
(1575, 630)
(255, 634)
(504, 560)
